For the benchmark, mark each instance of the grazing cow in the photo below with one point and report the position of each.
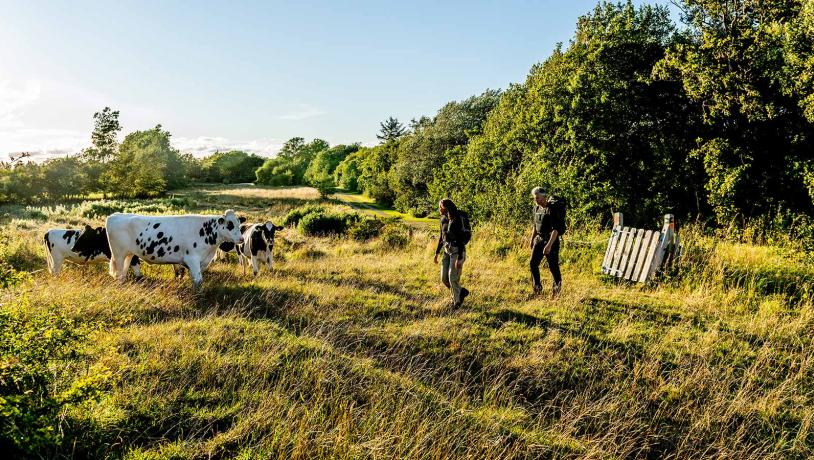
(189, 240)
(258, 244)
(80, 247)
(226, 247)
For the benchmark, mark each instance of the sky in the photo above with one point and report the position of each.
(250, 75)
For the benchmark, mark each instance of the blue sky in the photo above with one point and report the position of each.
(251, 75)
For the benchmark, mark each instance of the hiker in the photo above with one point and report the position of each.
(549, 224)
(455, 233)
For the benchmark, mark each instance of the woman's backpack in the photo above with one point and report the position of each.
(559, 206)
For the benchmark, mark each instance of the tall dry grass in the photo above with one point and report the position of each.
(352, 350)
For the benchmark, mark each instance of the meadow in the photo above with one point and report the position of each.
(351, 349)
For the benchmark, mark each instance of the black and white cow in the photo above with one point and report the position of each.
(190, 240)
(226, 247)
(258, 245)
(79, 247)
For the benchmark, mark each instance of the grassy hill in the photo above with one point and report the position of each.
(351, 350)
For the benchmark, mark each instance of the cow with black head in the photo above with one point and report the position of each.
(79, 247)
(258, 244)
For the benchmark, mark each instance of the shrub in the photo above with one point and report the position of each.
(34, 351)
(366, 229)
(323, 224)
(395, 235)
(9, 276)
(295, 215)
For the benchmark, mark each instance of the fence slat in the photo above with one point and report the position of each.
(617, 257)
(634, 253)
(642, 254)
(611, 247)
(626, 252)
(651, 253)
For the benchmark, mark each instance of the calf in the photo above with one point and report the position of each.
(258, 243)
(80, 247)
(189, 240)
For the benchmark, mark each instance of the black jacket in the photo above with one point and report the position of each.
(450, 232)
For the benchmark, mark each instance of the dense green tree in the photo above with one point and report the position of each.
(589, 123)
(346, 174)
(732, 64)
(291, 163)
(146, 165)
(231, 167)
(422, 153)
(63, 177)
(390, 130)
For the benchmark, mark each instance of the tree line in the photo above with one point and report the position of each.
(710, 119)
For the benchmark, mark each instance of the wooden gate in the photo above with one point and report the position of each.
(636, 254)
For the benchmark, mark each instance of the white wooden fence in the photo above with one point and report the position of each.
(636, 254)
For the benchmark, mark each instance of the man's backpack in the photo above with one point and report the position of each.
(466, 229)
(559, 206)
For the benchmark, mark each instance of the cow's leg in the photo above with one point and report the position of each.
(127, 259)
(178, 270)
(268, 259)
(194, 267)
(255, 264)
(56, 264)
(117, 267)
(135, 263)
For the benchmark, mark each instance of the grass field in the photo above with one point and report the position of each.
(351, 350)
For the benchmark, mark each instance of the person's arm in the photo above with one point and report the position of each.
(554, 235)
(440, 242)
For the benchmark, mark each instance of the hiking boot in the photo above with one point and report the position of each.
(464, 293)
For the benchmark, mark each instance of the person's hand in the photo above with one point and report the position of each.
(547, 249)
(458, 264)
(435, 259)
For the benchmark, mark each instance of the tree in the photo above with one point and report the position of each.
(146, 166)
(743, 65)
(391, 129)
(106, 128)
(291, 163)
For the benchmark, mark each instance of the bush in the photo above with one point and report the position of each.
(295, 215)
(34, 352)
(366, 229)
(395, 235)
(323, 224)
(9, 276)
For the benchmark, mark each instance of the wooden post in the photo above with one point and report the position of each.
(664, 245)
(618, 219)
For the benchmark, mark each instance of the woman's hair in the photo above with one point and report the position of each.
(450, 207)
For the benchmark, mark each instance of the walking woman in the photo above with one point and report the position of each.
(455, 234)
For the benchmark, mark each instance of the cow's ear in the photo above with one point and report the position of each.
(88, 228)
(242, 219)
(220, 220)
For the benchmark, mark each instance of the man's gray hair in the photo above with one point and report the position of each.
(536, 191)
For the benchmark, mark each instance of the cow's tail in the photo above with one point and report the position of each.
(49, 258)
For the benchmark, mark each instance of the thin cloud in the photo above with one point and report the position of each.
(302, 114)
(204, 145)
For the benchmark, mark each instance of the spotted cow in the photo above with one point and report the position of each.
(258, 244)
(190, 240)
(80, 247)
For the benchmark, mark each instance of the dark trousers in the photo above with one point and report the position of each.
(553, 259)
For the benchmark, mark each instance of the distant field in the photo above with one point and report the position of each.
(351, 349)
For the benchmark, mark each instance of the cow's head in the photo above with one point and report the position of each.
(229, 228)
(267, 230)
(91, 240)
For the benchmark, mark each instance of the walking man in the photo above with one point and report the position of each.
(549, 224)
(455, 233)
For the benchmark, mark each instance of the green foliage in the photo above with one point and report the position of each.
(390, 130)
(346, 174)
(9, 277)
(146, 166)
(291, 163)
(366, 229)
(322, 223)
(231, 167)
(295, 215)
(395, 235)
(320, 171)
(35, 349)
